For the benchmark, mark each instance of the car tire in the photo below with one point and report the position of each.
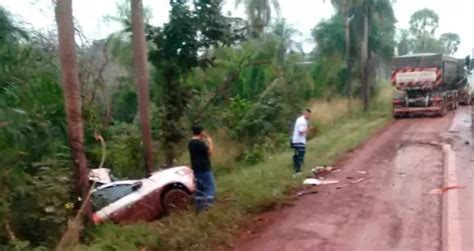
(175, 200)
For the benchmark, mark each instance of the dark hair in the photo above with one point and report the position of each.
(196, 129)
(307, 110)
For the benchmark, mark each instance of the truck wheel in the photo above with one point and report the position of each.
(175, 200)
(444, 110)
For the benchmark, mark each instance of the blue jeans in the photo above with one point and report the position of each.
(298, 157)
(205, 190)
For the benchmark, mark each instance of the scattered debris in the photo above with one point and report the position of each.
(306, 193)
(315, 182)
(329, 182)
(356, 181)
(361, 172)
(321, 169)
(445, 189)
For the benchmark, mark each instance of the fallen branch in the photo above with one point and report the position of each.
(11, 235)
(75, 225)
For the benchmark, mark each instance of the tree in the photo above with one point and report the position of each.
(194, 27)
(404, 43)
(259, 14)
(423, 25)
(450, 42)
(372, 30)
(365, 56)
(72, 95)
(345, 7)
(284, 33)
(141, 79)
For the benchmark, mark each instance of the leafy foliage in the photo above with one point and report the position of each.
(204, 69)
(422, 35)
(176, 53)
(259, 14)
(423, 25)
(450, 42)
(329, 36)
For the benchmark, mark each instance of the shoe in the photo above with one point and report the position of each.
(297, 174)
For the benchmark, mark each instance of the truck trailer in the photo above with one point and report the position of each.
(427, 83)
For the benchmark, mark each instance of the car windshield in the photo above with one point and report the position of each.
(105, 196)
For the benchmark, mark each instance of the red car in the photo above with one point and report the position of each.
(130, 201)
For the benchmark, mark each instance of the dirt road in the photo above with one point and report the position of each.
(389, 209)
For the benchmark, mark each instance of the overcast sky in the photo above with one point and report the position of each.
(455, 15)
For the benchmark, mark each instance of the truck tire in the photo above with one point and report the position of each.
(443, 111)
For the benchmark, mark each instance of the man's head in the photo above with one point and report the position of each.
(197, 130)
(307, 113)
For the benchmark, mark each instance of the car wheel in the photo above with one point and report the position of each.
(176, 200)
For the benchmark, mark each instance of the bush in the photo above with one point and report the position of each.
(124, 150)
(43, 204)
(121, 237)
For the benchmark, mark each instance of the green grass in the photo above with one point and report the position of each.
(242, 194)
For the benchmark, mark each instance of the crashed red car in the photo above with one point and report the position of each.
(131, 201)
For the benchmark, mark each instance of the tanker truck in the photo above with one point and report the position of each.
(427, 83)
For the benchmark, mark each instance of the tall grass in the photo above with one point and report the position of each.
(326, 113)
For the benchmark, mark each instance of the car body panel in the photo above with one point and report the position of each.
(144, 203)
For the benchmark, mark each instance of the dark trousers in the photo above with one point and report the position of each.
(205, 190)
(298, 157)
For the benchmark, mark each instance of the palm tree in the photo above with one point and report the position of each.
(285, 33)
(372, 23)
(259, 14)
(345, 7)
(365, 56)
(72, 95)
(141, 79)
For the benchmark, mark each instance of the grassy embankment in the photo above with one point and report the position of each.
(249, 190)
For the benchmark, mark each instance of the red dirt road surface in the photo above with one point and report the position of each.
(390, 209)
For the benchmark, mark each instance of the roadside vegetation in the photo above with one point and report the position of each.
(243, 79)
(243, 193)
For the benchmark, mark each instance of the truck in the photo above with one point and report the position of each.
(428, 83)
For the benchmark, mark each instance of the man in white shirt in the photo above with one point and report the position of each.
(298, 141)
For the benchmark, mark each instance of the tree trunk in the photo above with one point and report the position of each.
(347, 29)
(72, 96)
(141, 79)
(365, 58)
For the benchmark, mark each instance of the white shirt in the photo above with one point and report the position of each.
(299, 132)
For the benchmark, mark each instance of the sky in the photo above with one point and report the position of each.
(455, 15)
